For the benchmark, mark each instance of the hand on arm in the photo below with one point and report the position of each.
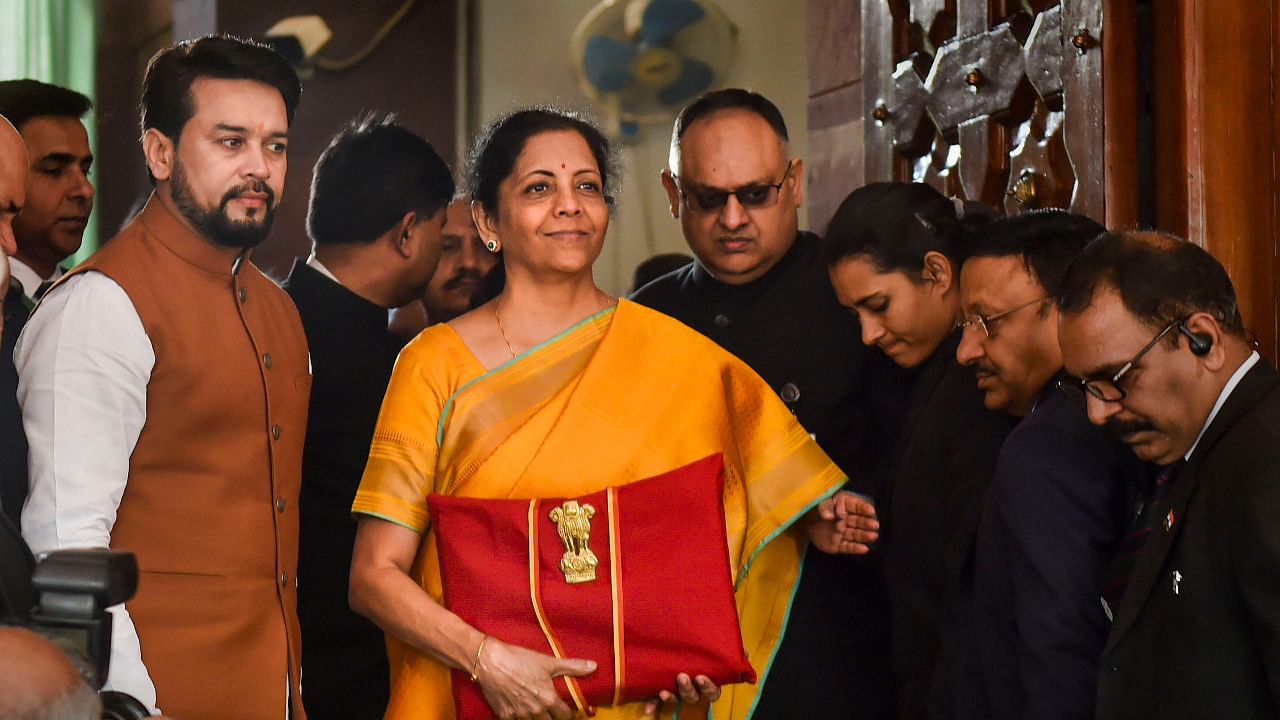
(517, 682)
(844, 523)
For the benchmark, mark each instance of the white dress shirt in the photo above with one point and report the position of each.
(83, 362)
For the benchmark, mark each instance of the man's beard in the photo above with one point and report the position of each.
(216, 224)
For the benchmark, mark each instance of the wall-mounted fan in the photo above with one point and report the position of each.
(642, 60)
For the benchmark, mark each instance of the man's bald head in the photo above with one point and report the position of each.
(36, 678)
(13, 182)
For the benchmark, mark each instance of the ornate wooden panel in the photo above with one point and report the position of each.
(992, 100)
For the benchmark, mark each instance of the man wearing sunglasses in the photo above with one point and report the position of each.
(1151, 326)
(1063, 491)
(759, 288)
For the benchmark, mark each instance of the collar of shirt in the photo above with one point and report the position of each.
(27, 278)
(1222, 397)
(314, 263)
(1052, 386)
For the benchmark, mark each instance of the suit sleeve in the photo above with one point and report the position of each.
(1056, 498)
(1255, 557)
(969, 475)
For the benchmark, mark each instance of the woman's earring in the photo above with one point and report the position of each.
(491, 245)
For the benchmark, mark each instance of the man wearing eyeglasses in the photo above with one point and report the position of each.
(759, 288)
(1063, 491)
(1150, 324)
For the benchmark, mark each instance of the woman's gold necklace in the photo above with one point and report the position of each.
(502, 330)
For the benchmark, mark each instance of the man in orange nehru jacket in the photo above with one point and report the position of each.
(164, 387)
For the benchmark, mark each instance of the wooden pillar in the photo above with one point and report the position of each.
(835, 162)
(1215, 74)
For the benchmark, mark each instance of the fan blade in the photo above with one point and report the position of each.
(695, 76)
(607, 63)
(664, 18)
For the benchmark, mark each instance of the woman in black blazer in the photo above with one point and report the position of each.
(894, 252)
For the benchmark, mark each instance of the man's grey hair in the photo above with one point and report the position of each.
(78, 702)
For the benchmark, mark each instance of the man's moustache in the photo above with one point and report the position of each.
(254, 186)
(462, 276)
(1119, 427)
(981, 367)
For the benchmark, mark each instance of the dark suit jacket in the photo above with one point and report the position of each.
(346, 673)
(17, 597)
(13, 439)
(1062, 499)
(788, 326)
(1197, 633)
(944, 467)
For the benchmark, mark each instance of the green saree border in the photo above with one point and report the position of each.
(448, 405)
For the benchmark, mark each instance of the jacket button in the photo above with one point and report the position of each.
(266, 360)
(284, 578)
(721, 320)
(243, 295)
(275, 431)
(790, 393)
(280, 504)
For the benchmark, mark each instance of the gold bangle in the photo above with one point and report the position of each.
(476, 665)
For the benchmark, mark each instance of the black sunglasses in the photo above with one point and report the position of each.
(749, 197)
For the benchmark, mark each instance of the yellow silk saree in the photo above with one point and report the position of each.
(626, 394)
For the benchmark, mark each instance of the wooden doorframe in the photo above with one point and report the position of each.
(1213, 74)
(1120, 112)
(1216, 122)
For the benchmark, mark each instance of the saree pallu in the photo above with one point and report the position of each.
(625, 394)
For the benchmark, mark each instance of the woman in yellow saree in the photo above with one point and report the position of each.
(555, 389)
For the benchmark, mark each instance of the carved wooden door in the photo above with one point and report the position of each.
(1002, 101)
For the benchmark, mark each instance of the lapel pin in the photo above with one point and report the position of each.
(1168, 521)
(1177, 576)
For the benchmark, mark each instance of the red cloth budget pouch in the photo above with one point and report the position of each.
(635, 577)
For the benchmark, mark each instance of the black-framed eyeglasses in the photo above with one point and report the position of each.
(987, 324)
(1108, 389)
(749, 197)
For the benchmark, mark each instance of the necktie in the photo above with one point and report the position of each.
(1114, 576)
(44, 288)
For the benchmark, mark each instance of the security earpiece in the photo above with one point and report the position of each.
(1198, 343)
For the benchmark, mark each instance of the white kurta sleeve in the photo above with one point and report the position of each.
(84, 360)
